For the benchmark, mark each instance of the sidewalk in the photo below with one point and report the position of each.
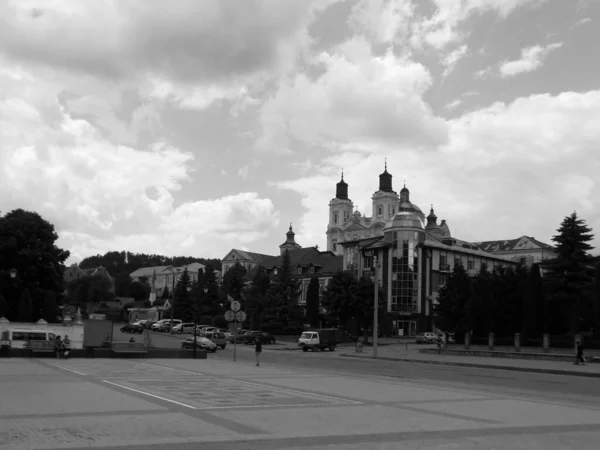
(399, 353)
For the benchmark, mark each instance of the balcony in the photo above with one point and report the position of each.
(404, 309)
(445, 268)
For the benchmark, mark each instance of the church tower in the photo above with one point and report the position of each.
(290, 242)
(385, 200)
(340, 211)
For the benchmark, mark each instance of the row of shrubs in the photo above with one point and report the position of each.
(557, 342)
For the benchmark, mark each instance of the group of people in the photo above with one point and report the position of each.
(62, 347)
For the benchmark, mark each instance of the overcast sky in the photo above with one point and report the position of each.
(190, 127)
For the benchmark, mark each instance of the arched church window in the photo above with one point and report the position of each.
(335, 218)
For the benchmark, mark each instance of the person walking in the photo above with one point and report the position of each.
(59, 347)
(579, 358)
(258, 350)
(67, 346)
(439, 343)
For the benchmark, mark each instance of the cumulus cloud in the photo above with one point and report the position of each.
(453, 57)
(532, 58)
(523, 166)
(382, 21)
(359, 97)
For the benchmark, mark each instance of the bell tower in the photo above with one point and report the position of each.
(385, 200)
(340, 212)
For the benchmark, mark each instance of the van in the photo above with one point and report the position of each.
(21, 337)
(217, 337)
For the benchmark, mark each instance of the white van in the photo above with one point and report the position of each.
(20, 337)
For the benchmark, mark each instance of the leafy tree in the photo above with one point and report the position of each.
(233, 281)
(210, 302)
(596, 301)
(139, 290)
(220, 321)
(49, 307)
(312, 302)
(285, 290)
(90, 288)
(570, 273)
(27, 244)
(363, 307)
(25, 307)
(3, 307)
(453, 300)
(183, 303)
(165, 293)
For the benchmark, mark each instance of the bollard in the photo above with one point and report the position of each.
(467, 340)
(546, 342)
(491, 341)
(517, 342)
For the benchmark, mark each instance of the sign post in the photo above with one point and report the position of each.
(235, 315)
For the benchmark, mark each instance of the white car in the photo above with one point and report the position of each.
(185, 327)
(201, 342)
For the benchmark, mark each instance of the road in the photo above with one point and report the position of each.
(295, 400)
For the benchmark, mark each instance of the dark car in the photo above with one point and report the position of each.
(201, 342)
(132, 328)
(264, 337)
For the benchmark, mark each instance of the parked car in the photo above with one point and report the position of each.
(201, 342)
(450, 337)
(217, 337)
(264, 337)
(165, 325)
(185, 327)
(426, 338)
(133, 328)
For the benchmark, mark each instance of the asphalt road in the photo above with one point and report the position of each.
(495, 381)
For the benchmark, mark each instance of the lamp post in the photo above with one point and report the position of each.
(13, 273)
(172, 298)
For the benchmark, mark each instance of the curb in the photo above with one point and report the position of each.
(482, 366)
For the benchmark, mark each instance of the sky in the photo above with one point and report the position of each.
(190, 127)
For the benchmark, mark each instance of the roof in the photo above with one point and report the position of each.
(514, 245)
(324, 261)
(147, 271)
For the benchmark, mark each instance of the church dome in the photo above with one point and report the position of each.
(404, 219)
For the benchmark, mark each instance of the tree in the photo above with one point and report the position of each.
(453, 299)
(208, 302)
(570, 273)
(49, 307)
(183, 303)
(596, 301)
(233, 281)
(340, 296)
(122, 284)
(363, 307)
(27, 244)
(285, 290)
(312, 302)
(139, 290)
(165, 293)
(256, 298)
(3, 307)
(220, 321)
(25, 307)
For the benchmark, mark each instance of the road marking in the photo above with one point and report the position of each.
(293, 391)
(64, 368)
(150, 395)
(177, 370)
(289, 405)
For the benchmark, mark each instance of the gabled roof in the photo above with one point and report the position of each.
(147, 271)
(513, 245)
(247, 256)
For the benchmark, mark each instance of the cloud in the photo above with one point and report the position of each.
(532, 58)
(580, 22)
(507, 170)
(453, 105)
(453, 57)
(382, 21)
(483, 73)
(358, 98)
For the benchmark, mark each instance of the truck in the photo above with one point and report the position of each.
(320, 339)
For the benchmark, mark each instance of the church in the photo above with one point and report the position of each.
(410, 254)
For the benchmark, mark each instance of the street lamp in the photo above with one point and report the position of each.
(376, 265)
(13, 273)
(172, 298)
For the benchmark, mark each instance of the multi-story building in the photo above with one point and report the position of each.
(527, 250)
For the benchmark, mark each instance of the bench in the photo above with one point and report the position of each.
(129, 347)
(42, 347)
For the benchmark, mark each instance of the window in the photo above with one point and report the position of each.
(312, 270)
(380, 210)
(470, 264)
(334, 246)
(335, 218)
(299, 270)
(457, 262)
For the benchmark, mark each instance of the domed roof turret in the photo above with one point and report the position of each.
(341, 189)
(404, 219)
(385, 180)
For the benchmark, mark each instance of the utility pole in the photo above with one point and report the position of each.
(375, 306)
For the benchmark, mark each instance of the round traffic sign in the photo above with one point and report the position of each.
(240, 316)
(235, 306)
(229, 316)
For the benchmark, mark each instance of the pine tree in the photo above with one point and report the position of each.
(340, 296)
(165, 293)
(286, 290)
(312, 302)
(183, 305)
(25, 307)
(256, 299)
(233, 281)
(209, 303)
(453, 300)
(596, 301)
(570, 273)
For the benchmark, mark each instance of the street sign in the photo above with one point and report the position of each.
(229, 316)
(230, 298)
(240, 316)
(235, 306)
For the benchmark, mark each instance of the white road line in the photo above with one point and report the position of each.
(293, 391)
(266, 406)
(70, 370)
(150, 395)
(177, 370)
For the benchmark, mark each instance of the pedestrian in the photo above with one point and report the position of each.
(132, 340)
(67, 346)
(258, 350)
(579, 358)
(59, 347)
(439, 343)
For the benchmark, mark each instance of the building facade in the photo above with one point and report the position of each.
(160, 277)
